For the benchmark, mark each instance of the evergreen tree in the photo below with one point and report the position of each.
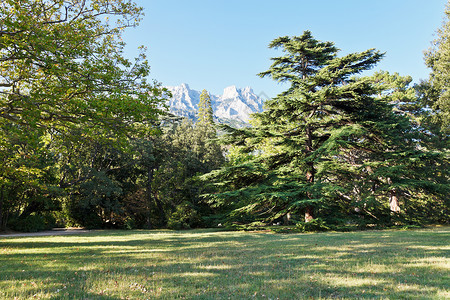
(205, 111)
(305, 55)
(331, 143)
(434, 112)
(438, 59)
(205, 135)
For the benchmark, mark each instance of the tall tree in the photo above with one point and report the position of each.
(63, 74)
(62, 66)
(331, 142)
(205, 111)
(182, 152)
(434, 102)
(305, 55)
(205, 134)
(438, 59)
(28, 177)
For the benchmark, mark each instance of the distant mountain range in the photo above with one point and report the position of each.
(233, 107)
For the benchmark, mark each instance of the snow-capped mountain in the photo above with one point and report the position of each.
(234, 106)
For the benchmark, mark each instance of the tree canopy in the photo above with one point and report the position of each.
(64, 81)
(333, 144)
(438, 59)
(62, 67)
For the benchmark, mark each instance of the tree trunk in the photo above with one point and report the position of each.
(149, 196)
(309, 210)
(286, 219)
(309, 215)
(310, 174)
(393, 201)
(2, 227)
(162, 213)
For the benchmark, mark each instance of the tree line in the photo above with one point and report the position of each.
(85, 139)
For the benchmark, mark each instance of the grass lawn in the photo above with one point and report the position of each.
(208, 264)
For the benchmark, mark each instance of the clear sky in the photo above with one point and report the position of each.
(211, 44)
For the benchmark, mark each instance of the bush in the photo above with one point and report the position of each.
(425, 210)
(313, 225)
(78, 213)
(129, 223)
(184, 217)
(34, 223)
(257, 225)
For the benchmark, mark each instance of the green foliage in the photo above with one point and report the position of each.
(189, 152)
(333, 145)
(83, 215)
(62, 67)
(144, 186)
(97, 175)
(205, 111)
(28, 176)
(129, 223)
(316, 224)
(82, 132)
(185, 216)
(426, 209)
(438, 59)
(68, 95)
(34, 222)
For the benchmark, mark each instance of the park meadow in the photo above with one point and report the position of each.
(212, 264)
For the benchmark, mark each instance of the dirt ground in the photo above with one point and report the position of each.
(55, 231)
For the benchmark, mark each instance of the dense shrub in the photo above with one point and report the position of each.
(34, 222)
(313, 225)
(185, 216)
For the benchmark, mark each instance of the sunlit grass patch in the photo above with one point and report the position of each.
(207, 264)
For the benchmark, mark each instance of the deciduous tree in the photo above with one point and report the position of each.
(63, 74)
(62, 66)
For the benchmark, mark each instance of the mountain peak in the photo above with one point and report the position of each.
(234, 107)
(230, 92)
(182, 86)
(248, 89)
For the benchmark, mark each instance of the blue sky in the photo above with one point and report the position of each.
(211, 44)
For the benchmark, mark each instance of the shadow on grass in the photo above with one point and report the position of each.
(210, 265)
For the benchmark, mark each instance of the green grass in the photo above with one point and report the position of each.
(206, 264)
